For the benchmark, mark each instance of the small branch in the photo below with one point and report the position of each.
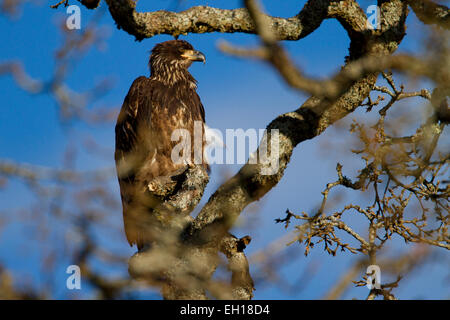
(30, 172)
(56, 6)
(340, 82)
(90, 4)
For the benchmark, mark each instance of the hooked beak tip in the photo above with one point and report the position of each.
(201, 57)
(195, 56)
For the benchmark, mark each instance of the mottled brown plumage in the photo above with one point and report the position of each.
(152, 110)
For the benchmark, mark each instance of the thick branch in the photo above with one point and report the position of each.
(431, 13)
(202, 19)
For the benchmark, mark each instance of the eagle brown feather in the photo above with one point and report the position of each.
(153, 108)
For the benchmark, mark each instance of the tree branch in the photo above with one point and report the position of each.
(310, 120)
(90, 4)
(431, 13)
(202, 19)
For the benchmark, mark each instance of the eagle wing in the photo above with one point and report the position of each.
(130, 154)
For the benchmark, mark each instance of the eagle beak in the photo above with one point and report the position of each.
(194, 55)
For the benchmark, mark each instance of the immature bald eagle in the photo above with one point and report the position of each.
(152, 110)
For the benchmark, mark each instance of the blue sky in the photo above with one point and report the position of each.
(236, 93)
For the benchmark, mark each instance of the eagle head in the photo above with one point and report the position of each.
(171, 56)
